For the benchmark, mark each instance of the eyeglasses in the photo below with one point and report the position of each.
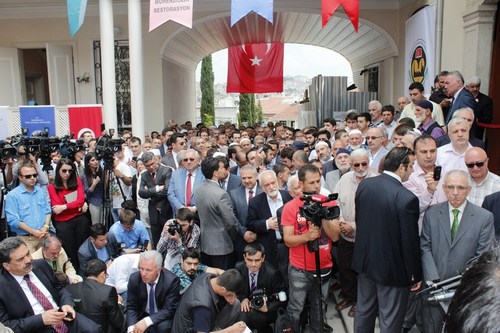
(182, 143)
(373, 137)
(453, 187)
(478, 164)
(188, 159)
(30, 176)
(67, 170)
(356, 165)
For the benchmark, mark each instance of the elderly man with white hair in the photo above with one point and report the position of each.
(484, 107)
(452, 155)
(466, 114)
(355, 140)
(343, 163)
(262, 215)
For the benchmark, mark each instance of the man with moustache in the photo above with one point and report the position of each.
(355, 140)
(423, 115)
(376, 137)
(346, 188)
(452, 155)
(33, 301)
(343, 163)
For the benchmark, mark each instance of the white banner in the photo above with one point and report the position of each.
(4, 122)
(420, 48)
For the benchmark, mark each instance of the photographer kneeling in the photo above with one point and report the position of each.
(178, 234)
(263, 291)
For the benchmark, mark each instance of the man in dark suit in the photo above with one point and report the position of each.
(453, 233)
(100, 245)
(99, 301)
(386, 251)
(231, 181)
(460, 97)
(240, 197)
(468, 115)
(217, 221)
(189, 175)
(166, 133)
(492, 203)
(146, 312)
(178, 143)
(154, 186)
(32, 299)
(484, 108)
(262, 217)
(259, 275)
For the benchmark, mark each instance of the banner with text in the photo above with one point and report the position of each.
(4, 122)
(161, 11)
(420, 48)
(38, 118)
(85, 116)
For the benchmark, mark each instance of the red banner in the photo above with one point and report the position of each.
(85, 116)
(351, 8)
(255, 68)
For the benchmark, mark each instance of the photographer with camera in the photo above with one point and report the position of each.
(130, 233)
(178, 234)
(298, 233)
(262, 291)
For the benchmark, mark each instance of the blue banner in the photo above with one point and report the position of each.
(76, 15)
(240, 8)
(37, 118)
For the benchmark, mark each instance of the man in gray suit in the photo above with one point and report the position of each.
(217, 221)
(453, 233)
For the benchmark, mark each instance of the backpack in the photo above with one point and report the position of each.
(284, 323)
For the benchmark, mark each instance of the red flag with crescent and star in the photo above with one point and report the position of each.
(255, 68)
(351, 8)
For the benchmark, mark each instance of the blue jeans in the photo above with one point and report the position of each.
(303, 285)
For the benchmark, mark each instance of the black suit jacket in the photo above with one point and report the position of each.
(492, 203)
(233, 182)
(99, 302)
(15, 309)
(269, 278)
(387, 247)
(158, 200)
(482, 114)
(258, 213)
(167, 296)
(87, 252)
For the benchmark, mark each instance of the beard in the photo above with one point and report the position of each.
(362, 173)
(344, 167)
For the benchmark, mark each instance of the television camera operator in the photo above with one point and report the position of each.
(178, 234)
(299, 233)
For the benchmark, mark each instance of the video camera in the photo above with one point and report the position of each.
(314, 211)
(259, 297)
(105, 149)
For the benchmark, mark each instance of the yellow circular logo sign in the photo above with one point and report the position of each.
(418, 66)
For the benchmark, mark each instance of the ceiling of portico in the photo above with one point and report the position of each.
(295, 21)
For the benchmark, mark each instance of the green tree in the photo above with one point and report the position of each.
(245, 109)
(259, 114)
(207, 107)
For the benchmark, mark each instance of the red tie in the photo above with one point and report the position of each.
(250, 195)
(45, 303)
(188, 190)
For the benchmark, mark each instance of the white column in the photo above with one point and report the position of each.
(108, 63)
(136, 67)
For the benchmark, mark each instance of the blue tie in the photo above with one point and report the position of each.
(152, 299)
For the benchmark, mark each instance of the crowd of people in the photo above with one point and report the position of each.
(201, 229)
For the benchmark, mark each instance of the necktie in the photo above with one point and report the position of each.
(54, 266)
(188, 190)
(45, 303)
(222, 184)
(250, 195)
(253, 281)
(152, 299)
(454, 226)
(153, 175)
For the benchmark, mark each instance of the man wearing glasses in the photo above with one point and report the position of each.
(483, 181)
(454, 232)
(27, 209)
(178, 143)
(185, 180)
(376, 138)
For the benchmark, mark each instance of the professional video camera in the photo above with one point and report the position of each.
(69, 147)
(105, 149)
(259, 297)
(314, 211)
(173, 228)
(144, 246)
(7, 150)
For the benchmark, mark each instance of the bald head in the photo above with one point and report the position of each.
(476, 161)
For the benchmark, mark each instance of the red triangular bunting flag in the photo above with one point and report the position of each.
(351, 7)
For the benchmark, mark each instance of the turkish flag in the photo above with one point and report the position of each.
(255, 68)
(351, 8)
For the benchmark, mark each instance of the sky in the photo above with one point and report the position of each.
(298, 60)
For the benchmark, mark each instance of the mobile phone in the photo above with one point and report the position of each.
(437, 173)
(103, 127)
(68, 315)
(134, 158)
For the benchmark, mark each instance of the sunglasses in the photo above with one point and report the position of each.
(30, 176)
(67, 170)
(188, 159)
(356, 165)
(478, 164)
